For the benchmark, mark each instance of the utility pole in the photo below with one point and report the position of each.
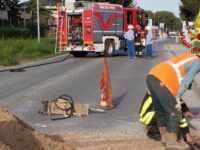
(24, 16)
(50, 12)
(49, 21)
(38, 21)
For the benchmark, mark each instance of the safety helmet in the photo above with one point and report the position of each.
(138, 27)
(130, 27)
(148, 28)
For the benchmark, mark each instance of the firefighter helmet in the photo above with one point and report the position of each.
(138, 27)
(148, 28)
(130, 27)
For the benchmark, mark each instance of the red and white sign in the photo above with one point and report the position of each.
(189, 44)
(108, 7)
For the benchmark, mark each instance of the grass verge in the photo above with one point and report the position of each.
(14, 51)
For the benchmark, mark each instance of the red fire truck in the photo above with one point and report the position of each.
(98, 28)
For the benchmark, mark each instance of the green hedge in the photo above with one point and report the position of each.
(14, 33)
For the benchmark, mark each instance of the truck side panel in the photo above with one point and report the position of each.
(107, 23)
(97, 29)
(119, 25)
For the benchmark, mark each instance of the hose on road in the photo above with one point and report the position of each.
(22, 69)
(69, 111)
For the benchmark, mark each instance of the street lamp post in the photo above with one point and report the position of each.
(24, 16)
(38, 20)
(49, 21)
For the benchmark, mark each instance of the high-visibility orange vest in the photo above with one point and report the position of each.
(172, 72)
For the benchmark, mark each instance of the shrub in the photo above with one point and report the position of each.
(14, 33)
(13, 51)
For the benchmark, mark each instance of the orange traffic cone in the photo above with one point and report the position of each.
(106, 90)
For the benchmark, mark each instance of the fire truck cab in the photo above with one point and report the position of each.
(99, 28)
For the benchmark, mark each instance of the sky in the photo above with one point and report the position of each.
(160, 5)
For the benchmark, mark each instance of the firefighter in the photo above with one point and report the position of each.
(167, 82)
(147, 117)
(138, 43)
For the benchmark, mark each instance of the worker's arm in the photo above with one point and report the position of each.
(191, 70)
(184, 125)
(186, 111)
(184, 106)
(186, 132)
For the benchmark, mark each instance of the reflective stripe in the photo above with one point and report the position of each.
(183, 123)
(183, 120)
(147, 118)
(178, 72)
(149, 92)
(179, 64)
(145, 106)
(185, 61)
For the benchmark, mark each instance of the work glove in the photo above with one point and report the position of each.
(190, 139)
(189, 114)
(178, 105)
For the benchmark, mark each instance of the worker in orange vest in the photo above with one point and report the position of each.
(167, 82)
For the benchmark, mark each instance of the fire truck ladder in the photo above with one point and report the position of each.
(60, 37)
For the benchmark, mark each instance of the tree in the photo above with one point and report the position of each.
(189, 9)
(44, 14)
(170, 21)
(150, 14)
(12, 7)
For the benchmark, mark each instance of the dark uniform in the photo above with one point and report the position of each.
(138, 43)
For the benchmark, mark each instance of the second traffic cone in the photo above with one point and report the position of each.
(106, 90)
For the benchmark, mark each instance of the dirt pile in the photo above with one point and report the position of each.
(17, 135)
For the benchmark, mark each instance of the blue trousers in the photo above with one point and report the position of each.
(131, 48)
(149, 50)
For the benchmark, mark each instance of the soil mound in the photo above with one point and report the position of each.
(15, 134)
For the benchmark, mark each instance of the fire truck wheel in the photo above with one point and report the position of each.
(109, 48)
(79, 54)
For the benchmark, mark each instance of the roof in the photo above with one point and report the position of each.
(50, 2)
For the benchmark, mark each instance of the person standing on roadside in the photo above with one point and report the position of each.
(149, 43)
(129, 36)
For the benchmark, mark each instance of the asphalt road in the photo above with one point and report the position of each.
(22, 92)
